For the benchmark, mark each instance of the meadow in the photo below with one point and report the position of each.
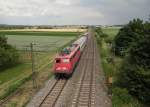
(111, 32)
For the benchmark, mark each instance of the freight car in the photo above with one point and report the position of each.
(66, 60)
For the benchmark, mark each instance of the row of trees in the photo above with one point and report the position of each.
(133, 44)
(8, 54)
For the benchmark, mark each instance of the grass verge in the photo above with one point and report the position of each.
(12, 88)
(9, 74)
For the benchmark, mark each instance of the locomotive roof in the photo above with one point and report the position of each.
(72, 49)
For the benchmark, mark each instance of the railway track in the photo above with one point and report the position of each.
(54, 93)
(85, 93)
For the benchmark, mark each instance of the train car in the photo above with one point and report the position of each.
(66, 60)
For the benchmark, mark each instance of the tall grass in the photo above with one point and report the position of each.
(13, 87)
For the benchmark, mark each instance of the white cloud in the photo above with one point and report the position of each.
(64, 2)
(72, 11)
(67, 2)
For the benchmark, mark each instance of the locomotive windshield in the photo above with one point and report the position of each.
(65, 51)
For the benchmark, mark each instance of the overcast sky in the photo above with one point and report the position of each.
(60, 12)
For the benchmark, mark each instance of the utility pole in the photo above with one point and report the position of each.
(33, 66)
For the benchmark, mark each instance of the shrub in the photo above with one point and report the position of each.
(8, 54)
(122, 98)
(3, 41)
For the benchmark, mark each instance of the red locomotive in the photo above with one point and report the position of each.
(66, 60)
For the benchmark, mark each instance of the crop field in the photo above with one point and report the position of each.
(111, 31)
(37, 33)
(51, 30)
(42, 43)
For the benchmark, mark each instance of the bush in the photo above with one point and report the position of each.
(122, 98)
(8, 54)
(3, 41)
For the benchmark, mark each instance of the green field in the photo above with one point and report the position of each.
(39, 33)
(42, 43)
(111, 32)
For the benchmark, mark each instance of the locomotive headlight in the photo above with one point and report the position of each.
(58, 68)
(64, 68)
(65, 60)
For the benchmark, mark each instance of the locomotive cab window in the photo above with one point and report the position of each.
(79, 49)
(58, 61)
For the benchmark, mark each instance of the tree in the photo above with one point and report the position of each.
(135, 69)
(127, 36)
(140, 53)
(3, 41)
(8, 54)
(135, 75)
(147, 28)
